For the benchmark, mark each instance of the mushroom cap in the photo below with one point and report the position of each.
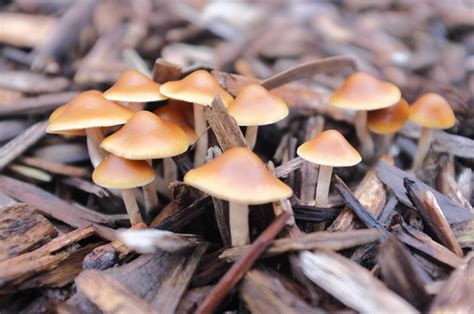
(362, 91)
(146, 136)
(199, 87)
(388, 120)
(186, 108)
(133, 85)
(56, 113)
(432, 111)
(118, 173)
(254, 105)
(89, 110)
(239, 176)
(329, 148)
(174, 115)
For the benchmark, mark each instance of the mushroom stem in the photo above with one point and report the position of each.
(133, 105)
(149, 194)
(132, 207)
(239, 223)
(251, 136)
(324, 181)
(170, 172)
(424, 144)
(383, 144)
(200, 129)
(363, 134)
(94, 138)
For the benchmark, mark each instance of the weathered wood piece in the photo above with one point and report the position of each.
(37, 104)
(289, 167)
(109, 295)
(393, 177)
(164, 71)
(55, 167)
(351, 284)
(22, 230)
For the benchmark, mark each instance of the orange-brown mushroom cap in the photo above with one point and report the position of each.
(133, 85)
(146, 136)
(56, 113)
(362, 91)
(432, 111)
(174, 115)
(329, 148)
(254, 105)
(388, 120)
(89, 110)
(198, 87)
(118, 173)
(239, 176)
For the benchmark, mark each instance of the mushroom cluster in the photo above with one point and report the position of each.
(123, 138)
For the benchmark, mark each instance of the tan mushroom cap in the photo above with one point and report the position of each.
(432, 111)
(56, 113)
(146, 136)
(239, 176)
(254, 105)
(89, 110)
(119, 173)
(388, 120)
(174, 115)
(198, 87)
(362, 91)
(186, 108)
(329, 148)
(133, 85)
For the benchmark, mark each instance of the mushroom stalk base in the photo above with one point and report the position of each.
(251, 136)
(363, 134)
(322, 190)
(132, 207)
(94, 138)
(149, 194)
(200, 129)
(424, 144)
(239, 223)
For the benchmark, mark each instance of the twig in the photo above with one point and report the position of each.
(289, 167)
(38, 104)
(55, 167)
(238, 270)
(164, 71)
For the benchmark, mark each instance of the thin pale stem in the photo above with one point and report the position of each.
(94, 138)
(170, 171)
(424, 144)
(239, 223)
(322, 190)
(201, 131)
(149, 194)
(363, 134)
(132, 207)
(251, 136)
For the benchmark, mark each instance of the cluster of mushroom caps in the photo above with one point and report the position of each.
(123, 159)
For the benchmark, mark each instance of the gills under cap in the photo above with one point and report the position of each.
(239, 176)
(118, 173)
(146, 136)
(329, 148)
(254, 105)
(362, 91)
(198, 87)
(134, 86)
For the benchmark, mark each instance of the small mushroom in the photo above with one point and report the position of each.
(362, 92)
(328, 149)
(89, 111)
(388, 121)
(145, 137)
(134, 88)
(430, 111)
(241, 178)
(255, 106)
(119, 173)
(198, 88)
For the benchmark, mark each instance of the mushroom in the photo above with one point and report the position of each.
(133, 88)
(89, 111)
(118, 173)
(328, 149)
(199, 88)
(56, 113)
(388, 121)
(362, 92)
(173, 114)
(255, 106)
(430, 111)
(241, 178)
(144, 137)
